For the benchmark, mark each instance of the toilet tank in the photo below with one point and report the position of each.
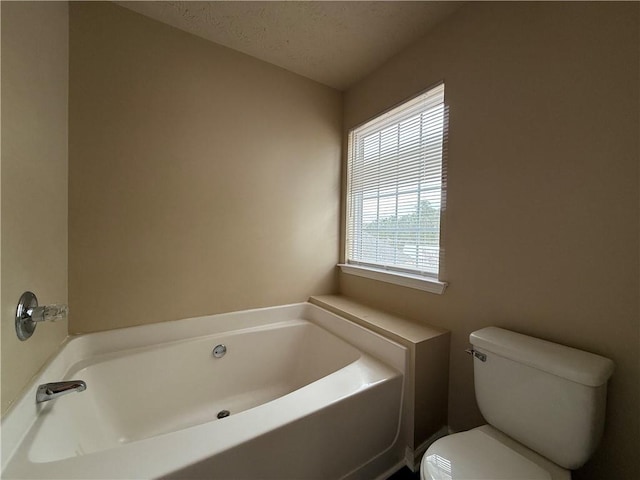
(546, 396)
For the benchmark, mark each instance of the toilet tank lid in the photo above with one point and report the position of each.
(570, 363)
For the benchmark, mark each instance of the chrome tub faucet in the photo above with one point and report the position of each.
(49, 391)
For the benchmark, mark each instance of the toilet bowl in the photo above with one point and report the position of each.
(545, 406)
(485, 453)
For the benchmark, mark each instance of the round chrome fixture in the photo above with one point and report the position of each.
(25, 326)
(219, 351)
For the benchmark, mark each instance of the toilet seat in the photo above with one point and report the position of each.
(485, 453)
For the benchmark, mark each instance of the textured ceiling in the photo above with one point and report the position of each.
(334, 43)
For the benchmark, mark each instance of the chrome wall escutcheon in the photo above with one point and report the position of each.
(24, 324)
(219, 351)
(479, 355)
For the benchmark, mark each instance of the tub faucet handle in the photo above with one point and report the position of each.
(29, 314)
(49, 313)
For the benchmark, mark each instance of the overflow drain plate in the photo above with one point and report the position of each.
(219, 351)
(223, 413)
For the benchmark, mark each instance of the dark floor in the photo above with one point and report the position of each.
(405, 474)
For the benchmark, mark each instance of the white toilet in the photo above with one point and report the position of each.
(545, 407)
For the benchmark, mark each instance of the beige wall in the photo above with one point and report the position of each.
(34, 179)
(173, 214)
(542, 220)
(201, 180)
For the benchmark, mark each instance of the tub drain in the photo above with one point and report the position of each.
(223, 413)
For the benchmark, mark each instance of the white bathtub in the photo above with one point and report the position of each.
(310, 395)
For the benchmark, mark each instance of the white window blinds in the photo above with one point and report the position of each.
(394, 188)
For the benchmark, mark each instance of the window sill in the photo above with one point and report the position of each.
(403, 279)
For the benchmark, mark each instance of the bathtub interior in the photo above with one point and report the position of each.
(189, 386)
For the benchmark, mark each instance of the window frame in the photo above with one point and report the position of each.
(396, 275)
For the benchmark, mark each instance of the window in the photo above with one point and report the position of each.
(395, 194)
